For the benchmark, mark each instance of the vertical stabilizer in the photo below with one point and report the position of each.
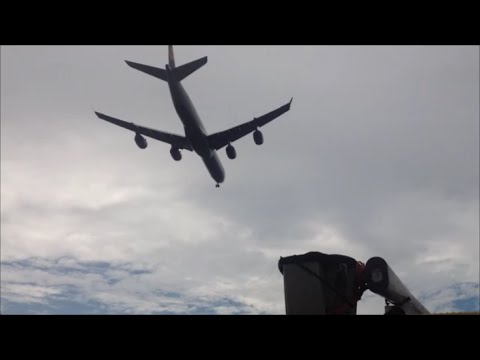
(171, 57)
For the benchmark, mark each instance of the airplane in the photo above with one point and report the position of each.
(196, 138)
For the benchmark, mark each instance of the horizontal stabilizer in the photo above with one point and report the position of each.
(183, 71)
(150, 70)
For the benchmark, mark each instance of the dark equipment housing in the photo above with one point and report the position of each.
(322, 284)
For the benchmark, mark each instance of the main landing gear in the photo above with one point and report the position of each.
(217, 186)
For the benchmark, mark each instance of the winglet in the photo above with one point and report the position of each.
(99, 115)
(291, 101)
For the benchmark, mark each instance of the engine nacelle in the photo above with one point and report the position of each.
(258, 137)
(141, 141)
(231, 152)
(176, 154)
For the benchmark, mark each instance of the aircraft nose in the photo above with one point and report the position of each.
(220, 178)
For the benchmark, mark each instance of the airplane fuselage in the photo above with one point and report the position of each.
(194, 130)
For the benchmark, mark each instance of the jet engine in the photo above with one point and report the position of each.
(141, 141)
(176, 154)
(231, 153)
(258, 137)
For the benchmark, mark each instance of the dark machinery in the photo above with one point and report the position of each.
(381, 280)
(321, 284)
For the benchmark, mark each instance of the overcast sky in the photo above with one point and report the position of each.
(378, 156)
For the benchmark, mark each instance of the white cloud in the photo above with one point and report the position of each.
(26, 293)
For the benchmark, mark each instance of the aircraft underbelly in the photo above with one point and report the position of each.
(215, 167)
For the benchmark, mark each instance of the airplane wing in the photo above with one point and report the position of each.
(172, 139)
(223, 138)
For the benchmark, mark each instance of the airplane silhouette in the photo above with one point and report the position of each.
(196, 138)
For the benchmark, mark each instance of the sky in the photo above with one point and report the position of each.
(378, 156)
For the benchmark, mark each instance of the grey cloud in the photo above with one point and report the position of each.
(57, 289)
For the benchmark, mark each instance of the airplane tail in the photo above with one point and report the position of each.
(171, 57)
(181, 72)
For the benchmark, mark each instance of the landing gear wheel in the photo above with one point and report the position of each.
(217, 186)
